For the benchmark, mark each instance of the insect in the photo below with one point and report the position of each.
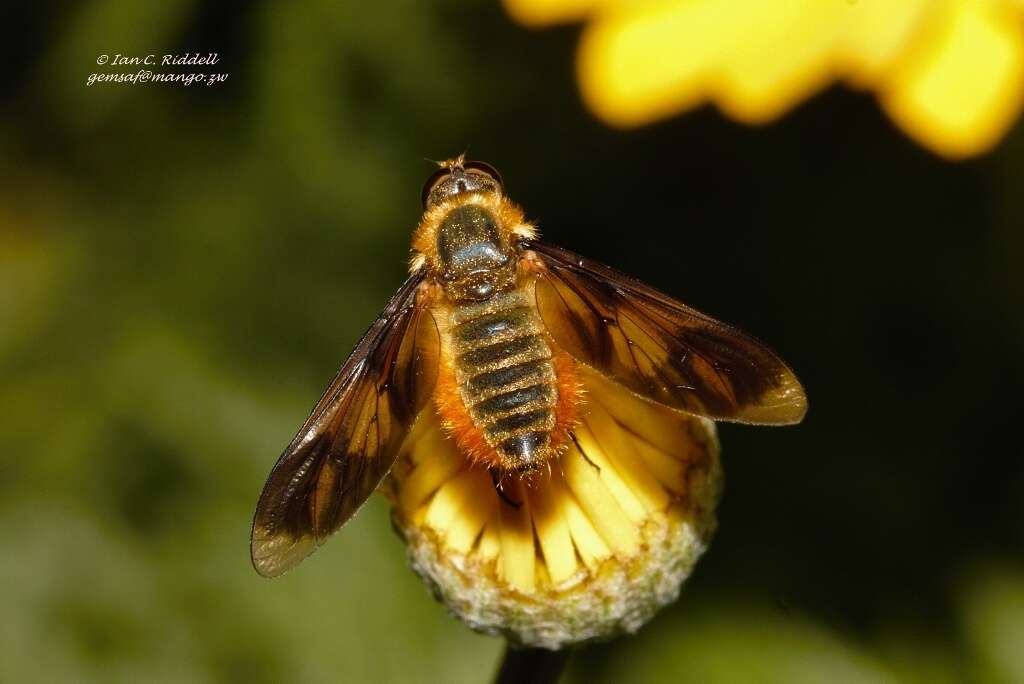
(490, 331)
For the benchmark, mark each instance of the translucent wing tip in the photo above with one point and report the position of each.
(275, 554)
(783, 405)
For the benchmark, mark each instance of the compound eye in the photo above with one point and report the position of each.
(485, 169)
(432, 182)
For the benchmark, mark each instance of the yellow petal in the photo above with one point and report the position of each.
(631, 505)
(588, 542)
(597, 502)
(553, 530)
(659, 426)
(516, 535)
(477, 509)
(962, 87)
(641, 65)
(877, 32)
(624, 471)
(784, 53)
(432, 471)
(490, 542)
(450, 500)
(670, 471)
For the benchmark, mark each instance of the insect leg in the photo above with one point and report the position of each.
(496, 477)
(572, 436)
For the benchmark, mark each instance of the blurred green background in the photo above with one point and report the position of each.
(182, 269)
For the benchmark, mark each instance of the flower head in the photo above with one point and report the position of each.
(589, 548)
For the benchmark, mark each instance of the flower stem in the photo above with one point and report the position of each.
(531, 666)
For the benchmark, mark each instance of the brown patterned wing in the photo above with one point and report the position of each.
(658, 347)
(351, 439)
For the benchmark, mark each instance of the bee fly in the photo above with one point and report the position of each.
(489, 331)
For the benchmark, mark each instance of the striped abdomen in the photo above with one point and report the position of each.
(505, 376)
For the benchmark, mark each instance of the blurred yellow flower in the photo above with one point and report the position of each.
(950, 73)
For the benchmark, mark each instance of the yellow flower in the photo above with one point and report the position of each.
(949, 72)
(587, 550)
